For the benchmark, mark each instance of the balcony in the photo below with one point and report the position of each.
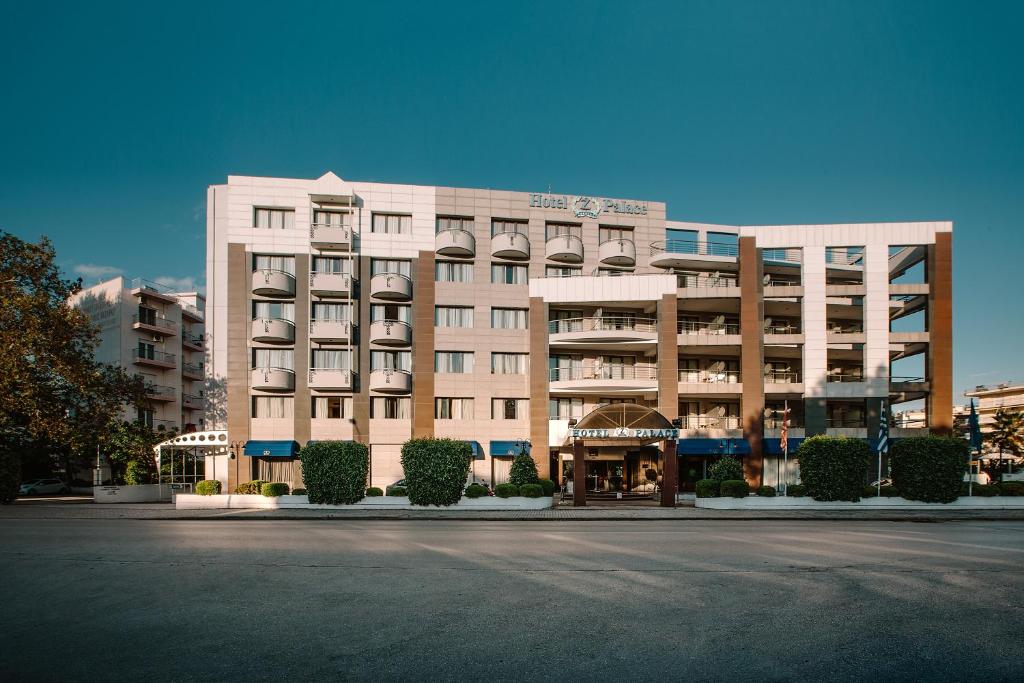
(455, 242)
(330, 236)
(845, 377)
(273, 331)
(709, 376)
(193, 313)
(391, 381)
(330, 284)
(510, 245)
(156, 359)
(141, 287)
(691, 254)
(390, 333)
(783, 382)
(605, 329)
(604, 378)
(564, 249)
(154, 323)
(273, 379)
(694, 281)
(391, 287)
(192, 402)
(695, 333)
(337, 331)
(706, 422)
(617, 252)
(157, 392)
(269, 282)
(192, 371)
(330, 378)
(191, 341)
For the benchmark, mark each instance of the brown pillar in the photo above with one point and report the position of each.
(752, 356)
(940, 333)
(302, 410)
(361, 397)
(579, 475)
(668, 357)
(239, 362)
(539, 447)
(423, 346)
(669, 474)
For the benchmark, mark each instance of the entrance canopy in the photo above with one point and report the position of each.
(624, 424)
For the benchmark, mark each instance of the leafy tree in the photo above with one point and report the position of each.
(1008, 433)
(523, 469)
(130, 442)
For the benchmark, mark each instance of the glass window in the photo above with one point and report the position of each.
(275, 218)
(501, 226)
(562, 271)
(383, 265)
(391, 360)
(331, 359)
(329, 311)
(509, 409)
(450, 271)
(454, 223)
(332, 264)
(331, 407)
(565, 408)
(274, 309)
(391, 224)
(453, 408)
(273, 358)
(606, 233)
(390, 312)
(284, 264)
(509, 363)
(390, 407)
(273, 406)
(453, 362)
(509, 274)
(335, 219)
(453, 316)
(562, 230)
(508, 318)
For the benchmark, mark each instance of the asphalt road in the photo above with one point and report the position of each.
(416, 600)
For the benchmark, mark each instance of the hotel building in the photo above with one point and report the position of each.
(379, 312)
(1008, 396)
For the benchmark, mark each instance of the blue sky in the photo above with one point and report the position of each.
(117, 117)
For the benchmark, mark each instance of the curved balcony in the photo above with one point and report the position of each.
(602, 330)
(269, 282)
(330, 378)
(338, 331)
(273, 331)
(391, 287)
(273, 379)
(391, 381)
(510, 245)
(330, 284)
(564, 249)
(455, 242)
(691, 254)
(602, 379)
(390, 333)
(330, 236)
(617, 252)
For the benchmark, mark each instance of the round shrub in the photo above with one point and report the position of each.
(298, 492)
(476, 491)
(373, 492)
(251, 488)
(506, 490)
(726, 468)
(869, 491)
(335, 471)
(548, 486)
(1011, 488)
(274, 489)
(890, 492)
(435, 470)
(207, 487)
(929, 468)
(766, 491)
(735, 488)
(523, 470)
(986, 490)
(398, 491)
(531, 491)
(796, 490)
(834, 468)
(707, 488)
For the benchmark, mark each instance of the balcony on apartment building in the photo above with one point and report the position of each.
(717, 332)
(698, 254)
(511, 245)
(782, 331)
(159, 392)
(192, 341)
(602, 329)
(390, 333)
(154, 358)
(193, 370)
(709, 381)
(273, 379)
(782, 382)
(455, 242)
(271, 282)
(330, 378)
(844, 331)
(604, 377)
(192, 313)
(391, 381)
(618, 251)
(698, 285)
(846, 375)
(338, 331)
(152, 322)
(330, 284)
(273, 331)
(564, 249)
(330, 236)
(391, 287)
(192, 401)
(142, 287)
(709, 422)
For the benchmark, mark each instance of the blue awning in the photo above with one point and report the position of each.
(477, 449)
(508, 449)
(712, 447)
(271, 449)
(774, 446)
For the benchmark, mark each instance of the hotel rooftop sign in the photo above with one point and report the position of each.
(587, 207)
(625, 433)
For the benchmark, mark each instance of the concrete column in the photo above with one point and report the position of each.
(423, 346)
(940, 334)
(815, 362)
(668, 357)
(539, 431)
(361, 365)
(579, 475)
(752, 356)
(669, 474)
(239, 361)
(302, 410)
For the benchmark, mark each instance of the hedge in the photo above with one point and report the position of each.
(10, 476)
(374, 492)
(766, 491)
(531, 491)
(435, 470)
(475, 491)
(506, 490)
(252, 488)
(735, 488)
(398, 491)
(834, 468)
(298, 492)
(707, 488)
(207, 487)
(548, 486)
(929, 468)
(726, 468)
(985, 490)
(1011, 488)
(523, 470)
(796, 490)
(275, 489)
(334, 472)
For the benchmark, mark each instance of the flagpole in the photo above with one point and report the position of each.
(785, 447)
(883, 441)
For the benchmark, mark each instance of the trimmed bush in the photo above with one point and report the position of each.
(398, 491)
(548, 486)
(735, 488)
(523, 470)
(251, 488)
(10, 475)
(207, 487)
(986, 490)
(136, 473)
(298, 492)
(707, 488)
(374, 492)
(1011, 488)
(869, 491)
(796, 490)
(766, 491)
(476, 491)
(506, 490)
(435, 470)
(275, 489)
(890, 492)
(834, 468)
(726, 468)
(335, 471)
(929, 468)
(531, 491)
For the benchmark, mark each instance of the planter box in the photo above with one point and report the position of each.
(807, 503)
(146, 493)
(253, 502)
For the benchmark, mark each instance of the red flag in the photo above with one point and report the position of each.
(784, 438)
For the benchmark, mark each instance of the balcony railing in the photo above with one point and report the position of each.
(709, 376)
(156, 321)
(608, 323)
(193, 311)
(776, 423)
(845, 377)
(159, 391)
(688, 281)
(709, 422)
(192, 369)
(698, 248)
(155, 356)
(782, 328)
(691, 327)
(782, 377)
(906, 380)
(844, 328)
(782, 282)
(193, 340)
(603, 372)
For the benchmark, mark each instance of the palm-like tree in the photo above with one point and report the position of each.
(1007, 433)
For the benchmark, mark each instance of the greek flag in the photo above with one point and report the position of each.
(883, 429)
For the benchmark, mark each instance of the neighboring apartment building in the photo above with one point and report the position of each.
(379, 312)
(158, 334)
(1006, 395)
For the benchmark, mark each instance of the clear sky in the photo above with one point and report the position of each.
(116, 117)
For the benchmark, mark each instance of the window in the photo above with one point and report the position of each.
(453, 316)
(284, 264)
(391, 224)
(501, 226)
(391, 360)
(562, 271)
(562, 230)
(273, 406)
(508, 318)
(453, 408)
(275, 218)
(614, 233)
(331, 359)
(449, 271)
(454, 223)
(612, 272)
(273, 309)
(147, 350)
(509, 409)
(383, 265)
(453, 362)
(147, 316)
(565, 408)
(390, 407)
(145, 416)
(509, 363)
(508, 274)
(331, 407)
(335, 312)
(332, 264)
(335, 219)
(390, 312)
(273, 358)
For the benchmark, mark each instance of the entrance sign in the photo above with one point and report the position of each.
(625, 433)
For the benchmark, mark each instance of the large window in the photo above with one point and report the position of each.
(384, 265)
(454, 223)
(453, 316)
(335, 312)
(275, 218)
(331, 359)
(335, 219)
(449, 271)
(266, 262)
(391, 360)
(273, 309)
(273, 406)
(390, 408)
(331, 407)
(614, 233)
(391, 224)
(332, 264)
(453, 408)
(390, 312)
(453, 362)
(273, 358)
(509, 274)
(565, 408)
(562, 230)
(562, 271)
(509, 408)
(501, 226)
(509, 363)
(508, 318)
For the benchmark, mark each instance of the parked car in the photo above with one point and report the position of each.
(38, 486)
(400, 483)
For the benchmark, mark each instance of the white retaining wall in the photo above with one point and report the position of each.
(807, 503)
(236, 502)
